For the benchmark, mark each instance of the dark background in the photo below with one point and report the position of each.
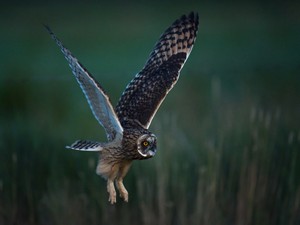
(229, 132)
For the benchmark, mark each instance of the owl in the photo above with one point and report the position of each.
(127, 124)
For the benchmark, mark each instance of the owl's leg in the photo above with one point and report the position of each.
(110, 185)
(119, 181)
(111, 191)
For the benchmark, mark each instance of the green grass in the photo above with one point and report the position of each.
(229, 132)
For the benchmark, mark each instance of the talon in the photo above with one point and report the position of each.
(112, 199)
(124, 195)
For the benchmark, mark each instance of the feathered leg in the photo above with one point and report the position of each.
(110, 184)
(119, 180)
(111, 191)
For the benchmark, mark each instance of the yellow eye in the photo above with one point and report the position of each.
(145, 143)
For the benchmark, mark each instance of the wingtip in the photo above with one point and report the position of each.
(193, 14)
(47, 28)
(191, 17)
(194, 17)
(58, 42)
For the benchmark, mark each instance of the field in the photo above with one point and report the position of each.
(229, 132)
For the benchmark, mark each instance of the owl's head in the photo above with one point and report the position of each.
(146, 145)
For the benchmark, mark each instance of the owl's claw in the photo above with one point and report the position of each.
(124, 195)
(112, 199)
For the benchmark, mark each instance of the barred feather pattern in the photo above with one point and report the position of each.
(84, 145)
(144, 94)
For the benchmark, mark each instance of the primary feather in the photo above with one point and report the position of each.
(98, 100)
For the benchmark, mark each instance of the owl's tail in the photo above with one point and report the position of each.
(83, 145)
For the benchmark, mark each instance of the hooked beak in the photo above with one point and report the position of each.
(148, 154)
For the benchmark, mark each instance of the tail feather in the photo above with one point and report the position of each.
(83, 145)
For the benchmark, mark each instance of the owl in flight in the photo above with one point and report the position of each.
(127, 124)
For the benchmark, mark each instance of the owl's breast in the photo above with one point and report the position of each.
(109, 162)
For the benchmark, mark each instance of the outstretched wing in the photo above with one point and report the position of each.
(144, 94)
(94, 93)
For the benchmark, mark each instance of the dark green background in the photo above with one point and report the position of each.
(229, 132)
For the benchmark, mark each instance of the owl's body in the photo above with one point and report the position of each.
(127, 125)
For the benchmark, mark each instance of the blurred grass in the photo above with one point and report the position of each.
(229, 133)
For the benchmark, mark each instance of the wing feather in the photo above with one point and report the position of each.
(145, 93)
(97, 98)
(83, 145)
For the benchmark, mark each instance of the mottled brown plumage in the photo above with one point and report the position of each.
(127, 126)
(147, 90)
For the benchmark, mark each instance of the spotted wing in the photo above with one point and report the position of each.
(144, 94)
(98, 100)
